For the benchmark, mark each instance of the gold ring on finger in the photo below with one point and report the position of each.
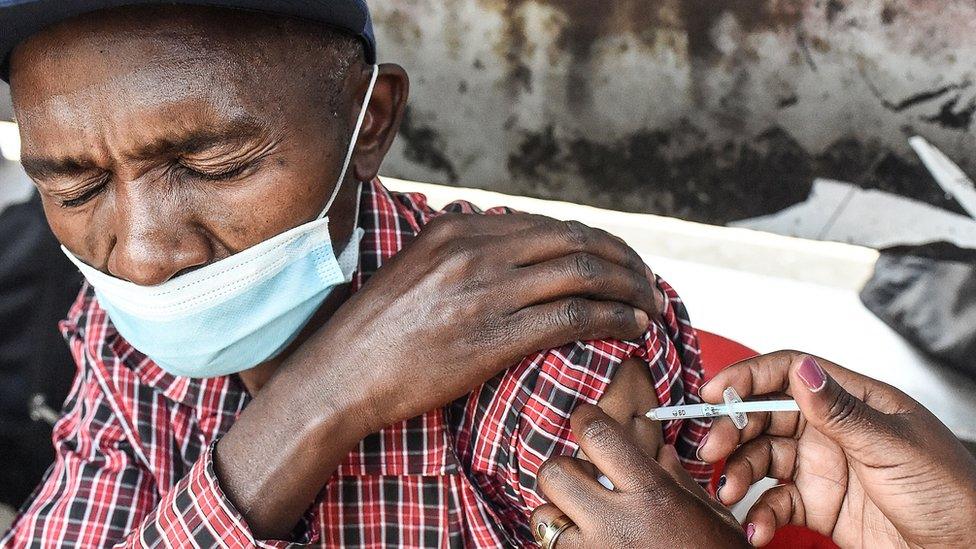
(549, 533)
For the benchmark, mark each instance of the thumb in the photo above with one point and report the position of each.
(853, 425)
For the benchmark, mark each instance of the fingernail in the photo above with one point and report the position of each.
(750, 531)
(700, 389)
(721, 484)
(641, 318)
(700, 446)
(674, 451)
(650, 274)
(812, 374)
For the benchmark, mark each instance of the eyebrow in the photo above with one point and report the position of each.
(42, 168)
(238, 130)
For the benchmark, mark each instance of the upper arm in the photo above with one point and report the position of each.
(630, 395)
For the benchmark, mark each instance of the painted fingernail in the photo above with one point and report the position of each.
(700, 446)
(721, 484)
(641, 318)
(812, 374)
(750, 531)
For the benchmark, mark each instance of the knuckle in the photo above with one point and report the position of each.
(621, 316)
(587, 267)
(788, 354)
(575, 314)
(753, 460)
(598, 431)
(547, 472)
(780, 499)
(576, 233)
(641, 286)
(553, 470)
(842, 411)
(738, 465)
(437, 226)
(444, 227)
(784, 358)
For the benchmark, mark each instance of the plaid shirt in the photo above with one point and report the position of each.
(135, 444)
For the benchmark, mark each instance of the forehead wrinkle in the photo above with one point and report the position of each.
(144, 87)
(146, 91)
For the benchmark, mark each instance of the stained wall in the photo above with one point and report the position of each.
(703, 109)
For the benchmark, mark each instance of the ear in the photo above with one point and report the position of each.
(383, 117)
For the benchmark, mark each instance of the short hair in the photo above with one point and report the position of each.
(339, 51)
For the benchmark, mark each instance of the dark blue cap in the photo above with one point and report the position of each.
(19, 19)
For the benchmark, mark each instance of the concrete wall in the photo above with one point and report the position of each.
(704, 109)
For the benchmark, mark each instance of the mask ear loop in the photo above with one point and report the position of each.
(353, 141)
(359, 200)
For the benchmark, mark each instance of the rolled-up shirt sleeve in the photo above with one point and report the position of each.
(98, 493)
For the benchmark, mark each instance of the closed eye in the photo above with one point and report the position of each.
(217, 175)
(84, 195)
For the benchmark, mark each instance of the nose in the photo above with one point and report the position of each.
(155, 237)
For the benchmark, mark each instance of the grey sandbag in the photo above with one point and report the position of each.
(928, 295)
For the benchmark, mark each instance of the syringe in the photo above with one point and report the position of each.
(733, 407)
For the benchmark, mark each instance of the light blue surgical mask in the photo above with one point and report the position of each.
(236, 313)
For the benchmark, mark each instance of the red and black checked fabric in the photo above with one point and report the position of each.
(134, 464)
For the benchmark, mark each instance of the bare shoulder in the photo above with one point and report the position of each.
(630, 395)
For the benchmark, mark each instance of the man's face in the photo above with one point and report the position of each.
(161, 142)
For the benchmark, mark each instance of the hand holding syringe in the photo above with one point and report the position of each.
(733, 407)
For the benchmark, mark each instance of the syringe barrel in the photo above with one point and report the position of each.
(667, 413)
